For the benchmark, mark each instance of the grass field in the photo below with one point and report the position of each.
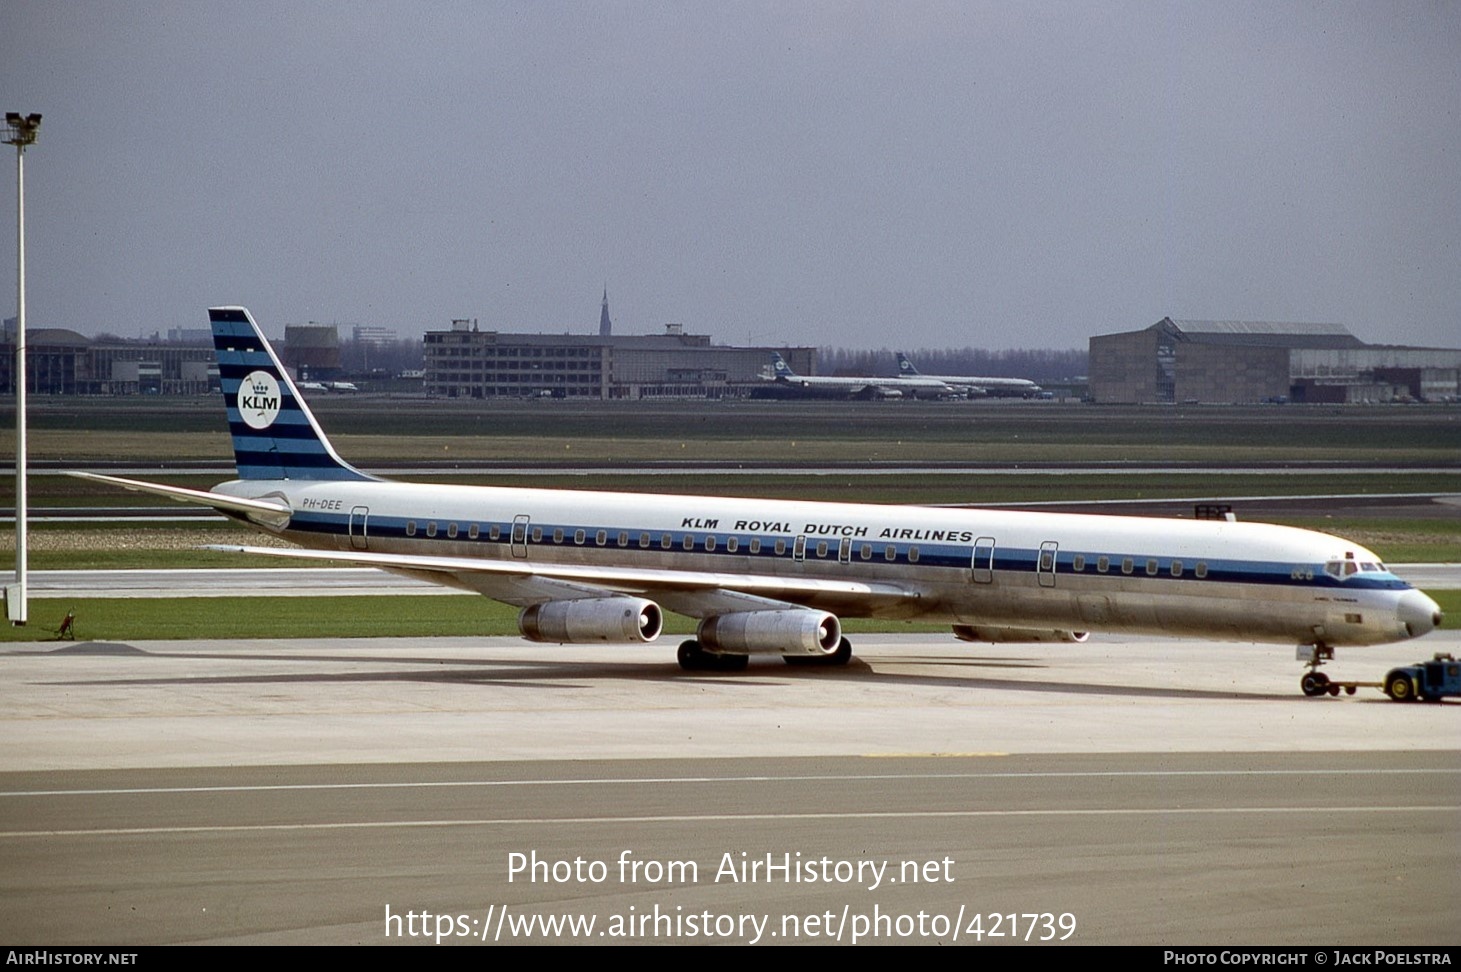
(788, 434)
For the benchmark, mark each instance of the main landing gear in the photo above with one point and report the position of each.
(841, 656)
(694, 658)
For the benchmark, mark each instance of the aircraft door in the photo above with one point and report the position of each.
(799, 548)
(1045, 566)
(358, 517)
(520, 535)
(983, 560)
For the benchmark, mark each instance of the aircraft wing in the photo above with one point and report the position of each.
(695, 593)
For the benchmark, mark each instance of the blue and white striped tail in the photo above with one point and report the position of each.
(274, 434)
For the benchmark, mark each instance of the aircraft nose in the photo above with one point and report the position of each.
(1418, 613)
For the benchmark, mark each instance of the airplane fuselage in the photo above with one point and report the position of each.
(984, 570)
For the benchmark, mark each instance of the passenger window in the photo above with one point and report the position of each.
(688, 543)
(1078, 563)
(431, 528)
(709, 544)
(913, 555)
(451, 531)
(1126, 565)
(866, 551)
(474, 531)
(644, 540)
(495, 532)
(732, 544)
(821, 548)
(890, 553)
(755, 545)
(537, 534)
(666, 541)
(780, 547)
(602, 537)
(410, 528)
(1176, 568)
(1103, 564)
(1201, 570)
(1151, 568)
(623, 538)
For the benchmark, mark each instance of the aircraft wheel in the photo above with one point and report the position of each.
(1334, 691)
(841, 656)
(1349, 690)
(1398, 687)
(691, 657)
(1314, 684)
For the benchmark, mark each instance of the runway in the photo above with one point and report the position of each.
(1155, 792)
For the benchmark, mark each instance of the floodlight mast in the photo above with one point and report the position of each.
(20, 131)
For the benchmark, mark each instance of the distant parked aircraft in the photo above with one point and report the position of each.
(973, 385)
(858, 387)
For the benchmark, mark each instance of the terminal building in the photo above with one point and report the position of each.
(1248, 361)
(468, 362)
(63, 362)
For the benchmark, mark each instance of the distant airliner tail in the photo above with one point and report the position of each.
(905, 367)
(779, 367)
(274, 434)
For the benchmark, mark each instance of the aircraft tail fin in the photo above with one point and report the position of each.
(779, 367)
(274, 434)
(905, 367)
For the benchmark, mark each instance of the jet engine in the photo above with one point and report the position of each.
(979, 632)
(592, 619)
(791, 632)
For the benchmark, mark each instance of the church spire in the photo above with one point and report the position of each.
(605, 326)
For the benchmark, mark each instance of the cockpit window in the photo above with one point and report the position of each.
(1348, 568)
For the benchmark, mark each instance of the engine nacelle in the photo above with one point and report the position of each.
(790, 632)
(999, 635)
(592, 619)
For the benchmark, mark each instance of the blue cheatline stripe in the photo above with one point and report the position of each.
(1010, 561)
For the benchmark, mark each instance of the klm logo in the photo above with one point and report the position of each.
(259, 400)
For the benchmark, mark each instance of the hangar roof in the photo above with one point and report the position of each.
(1276, 334)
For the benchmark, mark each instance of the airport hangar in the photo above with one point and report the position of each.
(1250, 361)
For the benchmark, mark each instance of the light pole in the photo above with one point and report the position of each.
(20, 131)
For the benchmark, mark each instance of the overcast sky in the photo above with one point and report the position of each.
(851, 174)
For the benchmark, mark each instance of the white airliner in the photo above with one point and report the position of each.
(972, 384)
(782, 374)
(771, 577)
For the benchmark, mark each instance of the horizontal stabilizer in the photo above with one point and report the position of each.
(265, 512)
